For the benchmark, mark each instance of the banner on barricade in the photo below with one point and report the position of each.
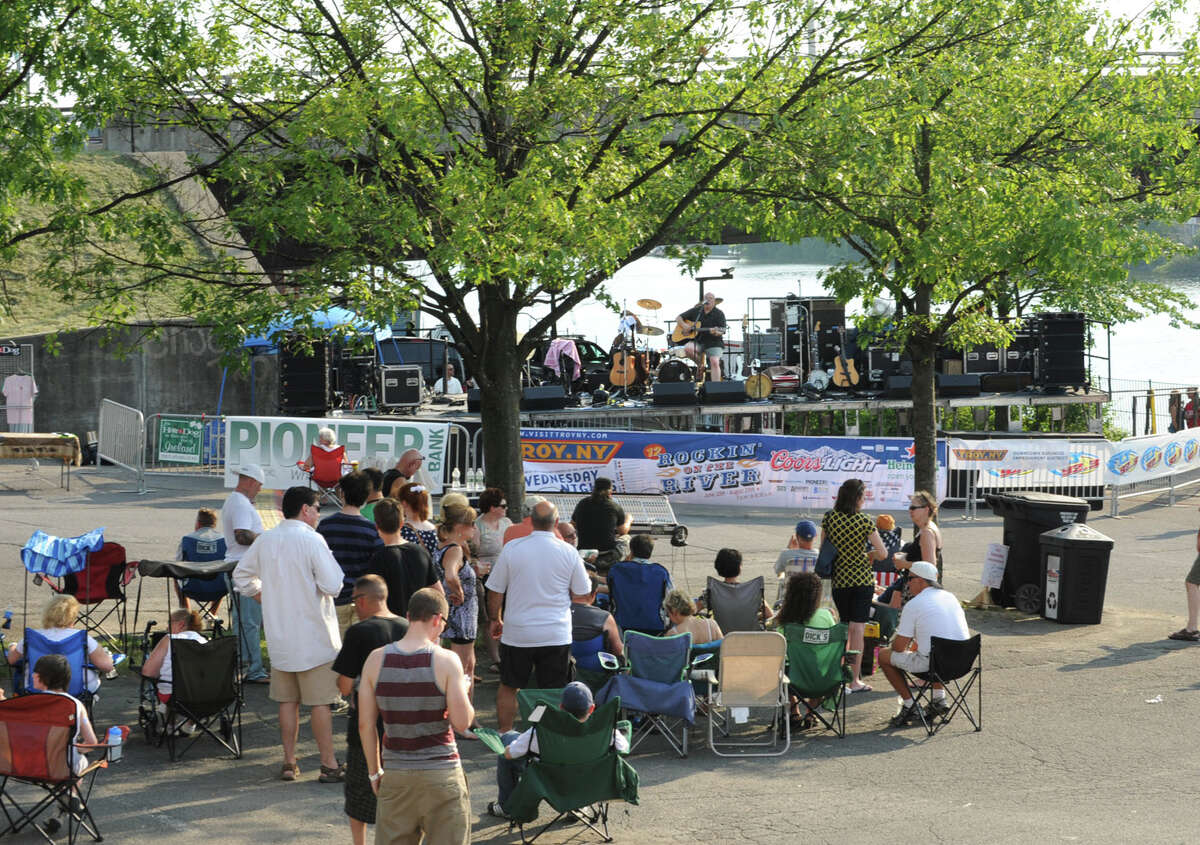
(180, 440)
(713, 468)
(277, 443)
(1020, 462)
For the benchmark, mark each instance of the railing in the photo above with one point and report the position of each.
(185, 444)
(1140, 407)
(122, 439)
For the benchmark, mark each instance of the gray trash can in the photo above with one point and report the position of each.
(1074, 574)
(1026, 515)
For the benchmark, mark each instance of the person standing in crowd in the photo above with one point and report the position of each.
(377, 626)
(405, 567)
(603, 525)
(1191, 411)
(926, 543)
(534, 579)
(241, 525)
(414, 498)
(411, 465)
(291, 571)
(374, 493)
(352, 539)
(458, 583)
(1191, 585)
(851, 533)
(493, 521)
(420, 691)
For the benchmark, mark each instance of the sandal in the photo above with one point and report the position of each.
(335, 775)
(863, 688)
(289, 771)
(1185, 635)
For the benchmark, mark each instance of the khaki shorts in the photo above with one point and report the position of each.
(907, 661)
(1193, 577)
(346, 617)
(435, 801)
(312, 687)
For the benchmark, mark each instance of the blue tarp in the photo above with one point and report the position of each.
(327, 319)
(58, 556)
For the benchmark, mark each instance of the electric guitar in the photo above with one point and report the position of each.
(845, 374)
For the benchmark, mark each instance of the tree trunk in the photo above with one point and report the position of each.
(499, 377)
(922, 345)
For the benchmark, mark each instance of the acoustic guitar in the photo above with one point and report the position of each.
(628, 368)
(845, 374)
(686, 330)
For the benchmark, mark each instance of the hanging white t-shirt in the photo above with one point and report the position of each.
(19, 391)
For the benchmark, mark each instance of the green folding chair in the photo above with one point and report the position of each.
(576, 771)
(816, 671)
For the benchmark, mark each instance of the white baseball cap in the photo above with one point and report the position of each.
(924, 569)
(253, 471)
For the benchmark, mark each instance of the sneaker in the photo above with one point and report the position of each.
(340, 706)
(496, 811)
(937, 707)
(905, 716)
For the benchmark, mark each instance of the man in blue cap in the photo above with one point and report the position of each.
(577, 700)
(799, 556)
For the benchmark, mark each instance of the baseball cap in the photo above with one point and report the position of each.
(806, 529)
(924, 569)
(253, 471)
(576, 699)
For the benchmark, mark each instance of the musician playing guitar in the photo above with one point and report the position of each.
(703, 327)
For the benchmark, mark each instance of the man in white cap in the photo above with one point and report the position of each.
(931, 612)
(241, 525)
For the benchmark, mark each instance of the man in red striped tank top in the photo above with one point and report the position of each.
(420, 690)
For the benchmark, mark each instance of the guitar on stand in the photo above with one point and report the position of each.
(817, 379)
(844, 372)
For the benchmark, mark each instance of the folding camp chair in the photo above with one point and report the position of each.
(35, 749)
(74, 648)
(204, 692)
(328, 467)
(576, 771)
(206, 590)
(656, 687)
(950, 661)
(588, 667)
(637, 591)
(100, 590)
(736, 607)
(816, 671)
(752, 678)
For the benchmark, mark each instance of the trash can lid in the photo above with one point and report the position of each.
(1038, 498)
(1074, 534)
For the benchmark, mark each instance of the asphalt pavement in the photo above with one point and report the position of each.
(1086, 728)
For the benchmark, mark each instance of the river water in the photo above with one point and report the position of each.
(1146, 350)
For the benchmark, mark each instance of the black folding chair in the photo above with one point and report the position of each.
(957, 665)
(204, 692)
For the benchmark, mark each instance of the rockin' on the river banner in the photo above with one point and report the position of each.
(1021, 462)
(758, 469)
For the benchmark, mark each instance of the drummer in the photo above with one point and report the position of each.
(708, 343)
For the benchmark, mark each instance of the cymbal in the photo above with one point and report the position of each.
(717, 300)
(649, 331)
(649, 304)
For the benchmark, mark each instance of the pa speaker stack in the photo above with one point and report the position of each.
(722, 392)
(1060, 359)
(304, 380)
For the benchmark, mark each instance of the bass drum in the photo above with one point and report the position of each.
(676, 370)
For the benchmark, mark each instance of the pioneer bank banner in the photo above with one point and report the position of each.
(767, 470)
(1019, 463)
(277, 443)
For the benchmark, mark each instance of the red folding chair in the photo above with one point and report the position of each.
(35, 749)
(103, 580)
(328, 467)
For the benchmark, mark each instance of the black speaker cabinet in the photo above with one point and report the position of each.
(982, 358)
(1060, 358)
(949, 386)
(898, 387)
(473, 403)
(1020, 354)
(826, 311)
(674, 393)
(722, 392)
(766, 347)
(304, 380)
(548, 397)
(400, 385)
(1005, 382)
(883, 362)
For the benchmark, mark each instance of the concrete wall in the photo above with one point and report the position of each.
(179, 372)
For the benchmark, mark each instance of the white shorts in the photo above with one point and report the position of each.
(910, 661)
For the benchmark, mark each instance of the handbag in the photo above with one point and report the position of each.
(824, 567)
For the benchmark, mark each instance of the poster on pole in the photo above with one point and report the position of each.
(277, 443)
(180, 440)
(801, 473)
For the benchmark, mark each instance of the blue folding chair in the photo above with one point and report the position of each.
(205, 589)
(637, 591)
(656, 687)
(74, 648)
(588, 667)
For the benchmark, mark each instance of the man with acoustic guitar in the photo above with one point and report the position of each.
(703, 327)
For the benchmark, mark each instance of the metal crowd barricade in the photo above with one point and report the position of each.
(1170, 484)
(122, 439)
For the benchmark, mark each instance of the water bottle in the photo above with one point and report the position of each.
(114, 743)
(455, 479)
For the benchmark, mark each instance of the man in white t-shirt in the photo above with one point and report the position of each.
(529, 595)
(241, 525)
(931, 612)
(453, 387)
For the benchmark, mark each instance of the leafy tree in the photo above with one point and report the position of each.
(479, 158)
(1021, 166)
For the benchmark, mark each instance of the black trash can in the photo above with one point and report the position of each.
(1074, 574)
(1026, 515)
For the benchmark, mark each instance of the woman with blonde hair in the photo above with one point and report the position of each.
(682, 613)
(58, 623)
(458, 579)
(926, 543)
(184, 625)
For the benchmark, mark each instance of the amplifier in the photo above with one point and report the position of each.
(1007, 382)
(883, 362)
(548, 397)
(898, 387)
(722, 392)
(356, 376)
(955, 386)
(674, 393)
(767, 347)
(401, 385)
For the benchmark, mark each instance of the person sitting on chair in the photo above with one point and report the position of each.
(185, 625)
(931, 612)
(589, 621)
(326, 441)
(682, 614)
(58, 623)
(205, 533)
(728, 564)
(52, 674)
(799, 556)
(576, 699)
(802, 606)
(449, 384)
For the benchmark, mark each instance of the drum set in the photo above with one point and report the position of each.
(637, 366)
